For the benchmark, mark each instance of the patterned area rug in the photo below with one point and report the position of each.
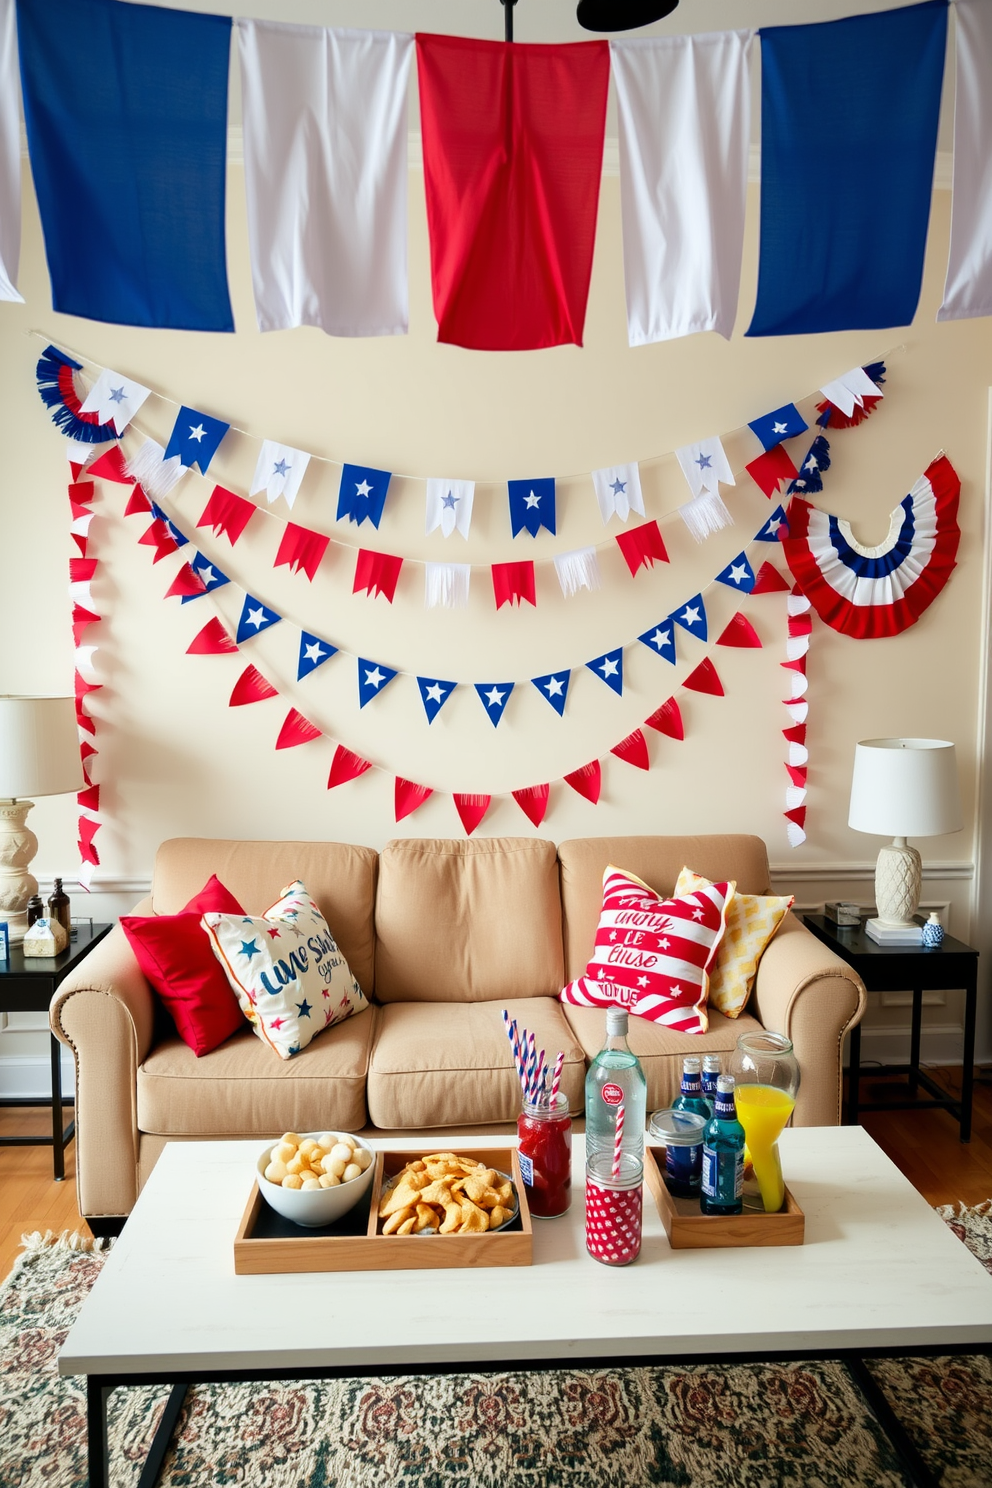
(797, 1425)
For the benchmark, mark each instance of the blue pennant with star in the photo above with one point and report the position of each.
(495, 696)
(661, 640)
(209, 573)
(775, 528)
(313, 653)
(372, 678)
(554, 687)
(195, 437)
(362, 494)
(609, 667)
(692, 617)
(810, 478)
(738, 574)
(434, 694)
(255, 617)
(179, 538)
(532, 505)
(785, 423)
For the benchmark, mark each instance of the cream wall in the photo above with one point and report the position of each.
(175, 759)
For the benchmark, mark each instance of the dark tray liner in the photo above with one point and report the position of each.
(272, 1226)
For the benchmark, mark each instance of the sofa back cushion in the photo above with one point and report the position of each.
(340, 877)
(467, 921)
(658, 861)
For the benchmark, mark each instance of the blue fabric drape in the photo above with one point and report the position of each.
(126, 112)
(848, 135)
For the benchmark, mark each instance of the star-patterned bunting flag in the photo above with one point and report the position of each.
(618, 491)
(362, 494)
(810, 478)
(495, 696)
(784, 423)
(554, 687)
(434, 694)
(313, 653)
(195, 438)
(255, 617)
(209, 575)
(449, 506)
(661, 640)
(705, 465)
(738, 574)
(372, 678)
(609, 667)
(301, 548)
(532, 505)
(692, 617)
(775, 528)
(770, 469)
(228, 513)
(116, 399)
(179, 538)
(279, 471)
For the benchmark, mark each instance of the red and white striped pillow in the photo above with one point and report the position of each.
(653, 955)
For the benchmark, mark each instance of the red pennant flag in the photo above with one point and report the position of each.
(83, 720)
(251, 687)
(667, 720)
(297, 730)
(186, 584)
(88, 853)
(212, 640)
(89, 799)
(513, 154)
(797, 815)
(76, 468)
(641, 546)
(81, 570)
(588, 781)
(407, 797)
(838, 420)
(796, 734)
(346, 766)
(81, 495)
(471, 809)
(740, 632)
(160, 538)
(301, 548)
(800, 625)
(81, 542)
(633, 749)
(225, 512)
(704, 679)
(513, 582)
(83, 688)
(88, 829)
(770, 469)
(110, 466)
(798, 665)
(769, 581)
(798, 774)
(376, 573)
(137, 503)
(86, 751)
(533, 802)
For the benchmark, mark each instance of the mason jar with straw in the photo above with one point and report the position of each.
(614, 1202)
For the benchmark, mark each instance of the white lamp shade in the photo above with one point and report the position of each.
(905, 788)
(39, 747)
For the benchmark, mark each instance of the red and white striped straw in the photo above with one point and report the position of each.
(531, 1063)
(556, 1078)
(618, 1141)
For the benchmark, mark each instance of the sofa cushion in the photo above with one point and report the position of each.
(658, 861)
(449, 1064)
(340, 877)
(659, 1049)
(239, 1090)
(468, 921)
(752, 920)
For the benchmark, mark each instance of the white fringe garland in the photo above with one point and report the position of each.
(446, 585)
(577, 570)
(704, 514)
(154, 473)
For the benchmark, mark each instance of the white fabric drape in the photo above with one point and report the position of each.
(10, 155)
(325, 139)
(968, 286)
(685, 117)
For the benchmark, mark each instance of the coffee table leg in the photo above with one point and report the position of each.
(97, 1395)
(912, 1464)
(163, 1437)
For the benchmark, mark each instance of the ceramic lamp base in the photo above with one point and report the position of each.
(18, 845)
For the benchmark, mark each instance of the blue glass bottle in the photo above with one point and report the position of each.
(711, 1073)
(690, 1096)
(723, 1155)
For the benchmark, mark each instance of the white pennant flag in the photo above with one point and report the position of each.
(115, 399)
(449, 506)
(705, 465)
(446, 585)
(685, 120)
(968, 286)
(618, 491)
(279, 471)
(154, 473)
(578, 570)
(850, 390)
(10, 155)
(325, 139)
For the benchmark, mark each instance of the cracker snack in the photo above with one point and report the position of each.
(445, 1194)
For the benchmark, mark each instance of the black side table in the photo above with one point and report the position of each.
(899, 969)
(28, 986)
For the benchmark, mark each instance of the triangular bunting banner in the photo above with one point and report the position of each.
(554, 687)
(495, 696)
(313, 653)
(738, 574)
(692, 617)
(372, 678)
(434, 694)
(667, 720)
(209, 575)
(251, 687)
(661, 640)
(137, 502)
(587, 781)
(407, 797)
(186, 584)
(741, 633)
(533, 802)
(111, 466)
(634, 750)
(212, 640)
(704, 679)
(255, 617)
(609, 667)
(297, 730)
(768, 580)
(775, 528)
(471, 809)
(532, 505)
(345, 766)
(810, 478)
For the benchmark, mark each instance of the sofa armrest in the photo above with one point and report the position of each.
(807, 992)
(104, 1012)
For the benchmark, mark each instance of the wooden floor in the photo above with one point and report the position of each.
(923, 1144)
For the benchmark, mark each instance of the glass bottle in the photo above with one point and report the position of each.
(544, 1151)
(615, 1076)
(59, 908)
(711, 1073)
(767, 1082)
(35, 909)
(723, 1155)
(690, 1096)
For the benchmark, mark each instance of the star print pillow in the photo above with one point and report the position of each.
(286, 971)
(653, 955)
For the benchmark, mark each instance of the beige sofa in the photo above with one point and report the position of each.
(442, 935)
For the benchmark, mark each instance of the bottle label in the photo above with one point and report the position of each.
(723, 1175)
(725, 1108)
(612, 1095)
(526, 1168)
(691, 1084)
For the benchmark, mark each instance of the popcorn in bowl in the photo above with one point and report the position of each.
(314, 1179)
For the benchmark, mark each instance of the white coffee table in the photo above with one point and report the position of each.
(879, 1271)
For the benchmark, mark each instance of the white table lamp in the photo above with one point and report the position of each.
(902, 788)
(39, 756)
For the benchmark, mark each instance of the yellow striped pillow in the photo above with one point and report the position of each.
(752, 920)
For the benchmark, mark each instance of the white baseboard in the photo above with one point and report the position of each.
(939, 1044)
(29, 1076)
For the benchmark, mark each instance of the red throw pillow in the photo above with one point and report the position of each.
(652, 955)
(175, 955)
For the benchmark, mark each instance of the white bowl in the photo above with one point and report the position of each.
(314, 1207)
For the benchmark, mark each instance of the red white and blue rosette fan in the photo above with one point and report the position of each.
(872, 592)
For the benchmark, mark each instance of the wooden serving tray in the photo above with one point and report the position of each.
(266, 1242)
(687, 1229)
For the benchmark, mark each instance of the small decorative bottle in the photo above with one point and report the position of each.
(35, 910)
(690, 1096)
(723, 1155)
(933, 931)
(711, 1073)
(59, 908)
